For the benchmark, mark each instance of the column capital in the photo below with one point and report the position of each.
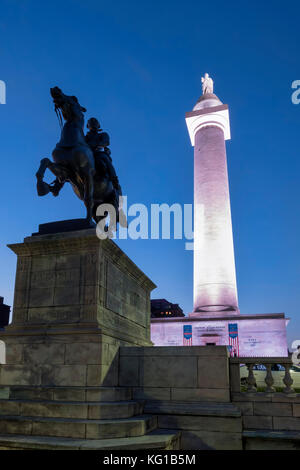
(214, 116)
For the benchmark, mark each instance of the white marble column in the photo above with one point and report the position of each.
(215, 289)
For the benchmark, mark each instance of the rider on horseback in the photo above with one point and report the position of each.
(99, 142)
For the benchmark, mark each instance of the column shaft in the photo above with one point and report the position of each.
(214, 265)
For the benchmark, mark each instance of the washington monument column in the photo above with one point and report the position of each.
(215, 289)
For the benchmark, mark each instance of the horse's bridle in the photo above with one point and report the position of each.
(59, 115)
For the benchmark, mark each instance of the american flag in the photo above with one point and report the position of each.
(233, 339)
(187, 335)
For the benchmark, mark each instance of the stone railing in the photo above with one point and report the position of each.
(250, 381)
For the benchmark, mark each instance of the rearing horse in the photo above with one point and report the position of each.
(72, 156)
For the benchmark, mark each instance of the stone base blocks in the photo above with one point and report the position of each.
(187, 389)
(271, 440)
(77, 299)
(270, 420)
(203, 425)
(48, 358)
(189, 374)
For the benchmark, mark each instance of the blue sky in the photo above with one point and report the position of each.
(137, 66)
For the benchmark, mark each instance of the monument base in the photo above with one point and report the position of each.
(77, 300)
(261, 335)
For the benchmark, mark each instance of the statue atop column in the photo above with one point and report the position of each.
(207, 84)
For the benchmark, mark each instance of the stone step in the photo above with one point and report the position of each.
(67, 393)
(77, 428)
(271, 440)
(192, 408)
(63, 409)
(156, 440)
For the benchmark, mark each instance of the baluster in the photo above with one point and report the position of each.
(287, 380)
(269, 379)
(251, 379)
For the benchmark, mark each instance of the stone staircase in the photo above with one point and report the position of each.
(99, 418)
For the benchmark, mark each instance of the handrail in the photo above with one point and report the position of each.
(261, 360)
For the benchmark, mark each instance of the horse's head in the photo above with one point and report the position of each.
(69, 106)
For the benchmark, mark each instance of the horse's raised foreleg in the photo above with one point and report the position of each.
(56, 186)
(44, 188)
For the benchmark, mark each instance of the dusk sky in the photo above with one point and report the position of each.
(137, 67)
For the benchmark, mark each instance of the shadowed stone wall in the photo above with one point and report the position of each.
(176, 373)
(187, 388)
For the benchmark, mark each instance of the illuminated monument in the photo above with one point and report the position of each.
(214, 267)
(216, 318)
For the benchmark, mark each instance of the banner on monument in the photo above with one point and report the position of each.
(187, 335)
(233, 339)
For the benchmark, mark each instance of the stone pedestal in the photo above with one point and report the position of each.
(77, 299)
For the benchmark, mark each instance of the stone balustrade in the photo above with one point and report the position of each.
(268, 401)
(250, 381)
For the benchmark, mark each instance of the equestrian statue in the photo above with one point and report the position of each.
(84, 161)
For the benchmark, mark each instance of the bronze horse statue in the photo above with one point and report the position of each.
(83, 161)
